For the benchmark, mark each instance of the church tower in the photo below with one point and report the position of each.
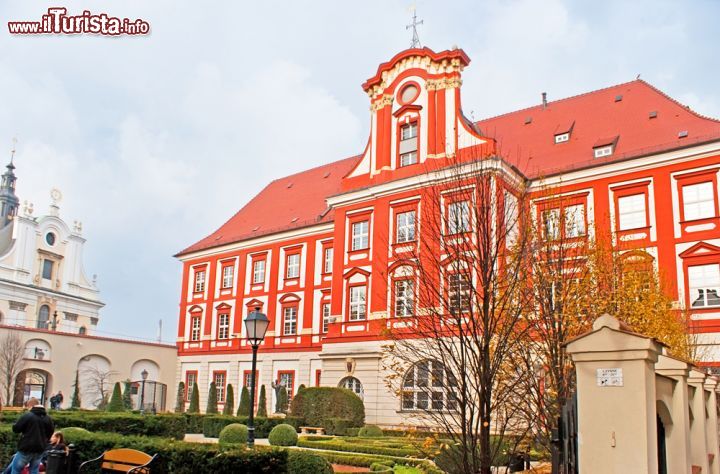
(8, 200)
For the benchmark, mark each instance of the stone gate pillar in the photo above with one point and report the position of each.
(617, 431)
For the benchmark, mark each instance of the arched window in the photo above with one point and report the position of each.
(82, 330)
(427, 386)
(352, 384)
(43, 317)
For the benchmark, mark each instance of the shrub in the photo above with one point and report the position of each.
(195, 423)
(229, 401)
(180, 398)
(116, 403)
(300, 462)
(212, 425)
(127, 396)
(262, 403)
(316, 404)
(370, 431)
(244, 407)
(173, 457)
(335, 426)
(75, 403)
(283, 435)
(354, 446)
(194, 399)
(380, 467)
(352, 431)
(233, 434)
(212, 400)
(282, 400)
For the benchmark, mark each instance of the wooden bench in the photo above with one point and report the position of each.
(312, 430)
(122, 460)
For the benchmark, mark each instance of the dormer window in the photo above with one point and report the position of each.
(408, 144)
(562, 137)
(601, 151)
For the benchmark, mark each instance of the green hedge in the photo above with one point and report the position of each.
(366, 460)
(336, 426)
(357, 447)
(302, 462)
(175, 457)
(317, 404)
(213, 425)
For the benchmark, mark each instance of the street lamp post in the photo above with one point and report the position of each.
(144, 375)
(256, 325)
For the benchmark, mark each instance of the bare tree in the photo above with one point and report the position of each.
(459, 311)
(12, 355)
(97, 384)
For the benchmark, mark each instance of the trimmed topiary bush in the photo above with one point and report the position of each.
(244, 407)
(234, 434)
(283, 435)
(212, 402)
(300, 462)
(262, 403)
(194, 399)
(370, 431)
(180, 398)
(72, 431)
(229, 401)
(116, 402)
(318, 404)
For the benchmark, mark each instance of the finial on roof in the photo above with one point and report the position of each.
(415, 39)
(12, 152)
(638, 77)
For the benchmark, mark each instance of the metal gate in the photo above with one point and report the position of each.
(564, 442)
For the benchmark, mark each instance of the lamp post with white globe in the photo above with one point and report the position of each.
(256, 325)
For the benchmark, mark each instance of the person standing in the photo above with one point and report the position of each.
(36, 428)
(58, 400)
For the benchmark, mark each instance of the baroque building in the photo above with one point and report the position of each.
(322, 252)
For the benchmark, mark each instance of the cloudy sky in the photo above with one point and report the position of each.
(155, 141)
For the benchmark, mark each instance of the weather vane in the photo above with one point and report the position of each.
(12, 152)
(415, 39)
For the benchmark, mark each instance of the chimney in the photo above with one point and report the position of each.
(544, 99)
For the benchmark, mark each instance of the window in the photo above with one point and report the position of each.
(360, 233)
(352, 384)
(575, 220)
(510, 211)
(259, 271)
(698, 201)
(631, 212)
(195, 328)
(704, 283)
(458, 293)
(550, 224)
(191, 378)
(227, 276)
(43, 317)
(405, 231)
(287, 378)
(199, 281)
(219, 379)
(562, 137)
(427, 386)
(326, 317)
(408, 144)
(408, 94)
(603, 151)
(404, 298)
(458, 217)
(47, 269)
(290, 321)
(82, 331)
(328, 260)
(358, 308)
(224, 326)
(293, 266)
(50, 238)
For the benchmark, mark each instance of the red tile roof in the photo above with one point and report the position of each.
(597, 117)
(291, 202)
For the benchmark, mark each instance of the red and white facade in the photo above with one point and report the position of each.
(319, 251)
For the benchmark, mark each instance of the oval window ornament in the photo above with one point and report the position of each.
(50, 238)
(408, 94)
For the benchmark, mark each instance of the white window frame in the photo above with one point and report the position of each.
(224, 326)
(405, 227)
(227, 276)
(328, 260)
(192, 378)
(353, 384)
(358, 303)
(412, 130)
(459, 284)
(698, 201)
(195, 328)
(199, 281)
(704, 285)
(325, 317)
(551, 223)
(575, 220)
(360, 235)
(293, 266)
(409, 158)
(427, 386)
(601, 151)
(458, 218)
(220, 387)
(259, 271)
(290, 320)
(404, 298)
(562, 137)
(632, 212)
